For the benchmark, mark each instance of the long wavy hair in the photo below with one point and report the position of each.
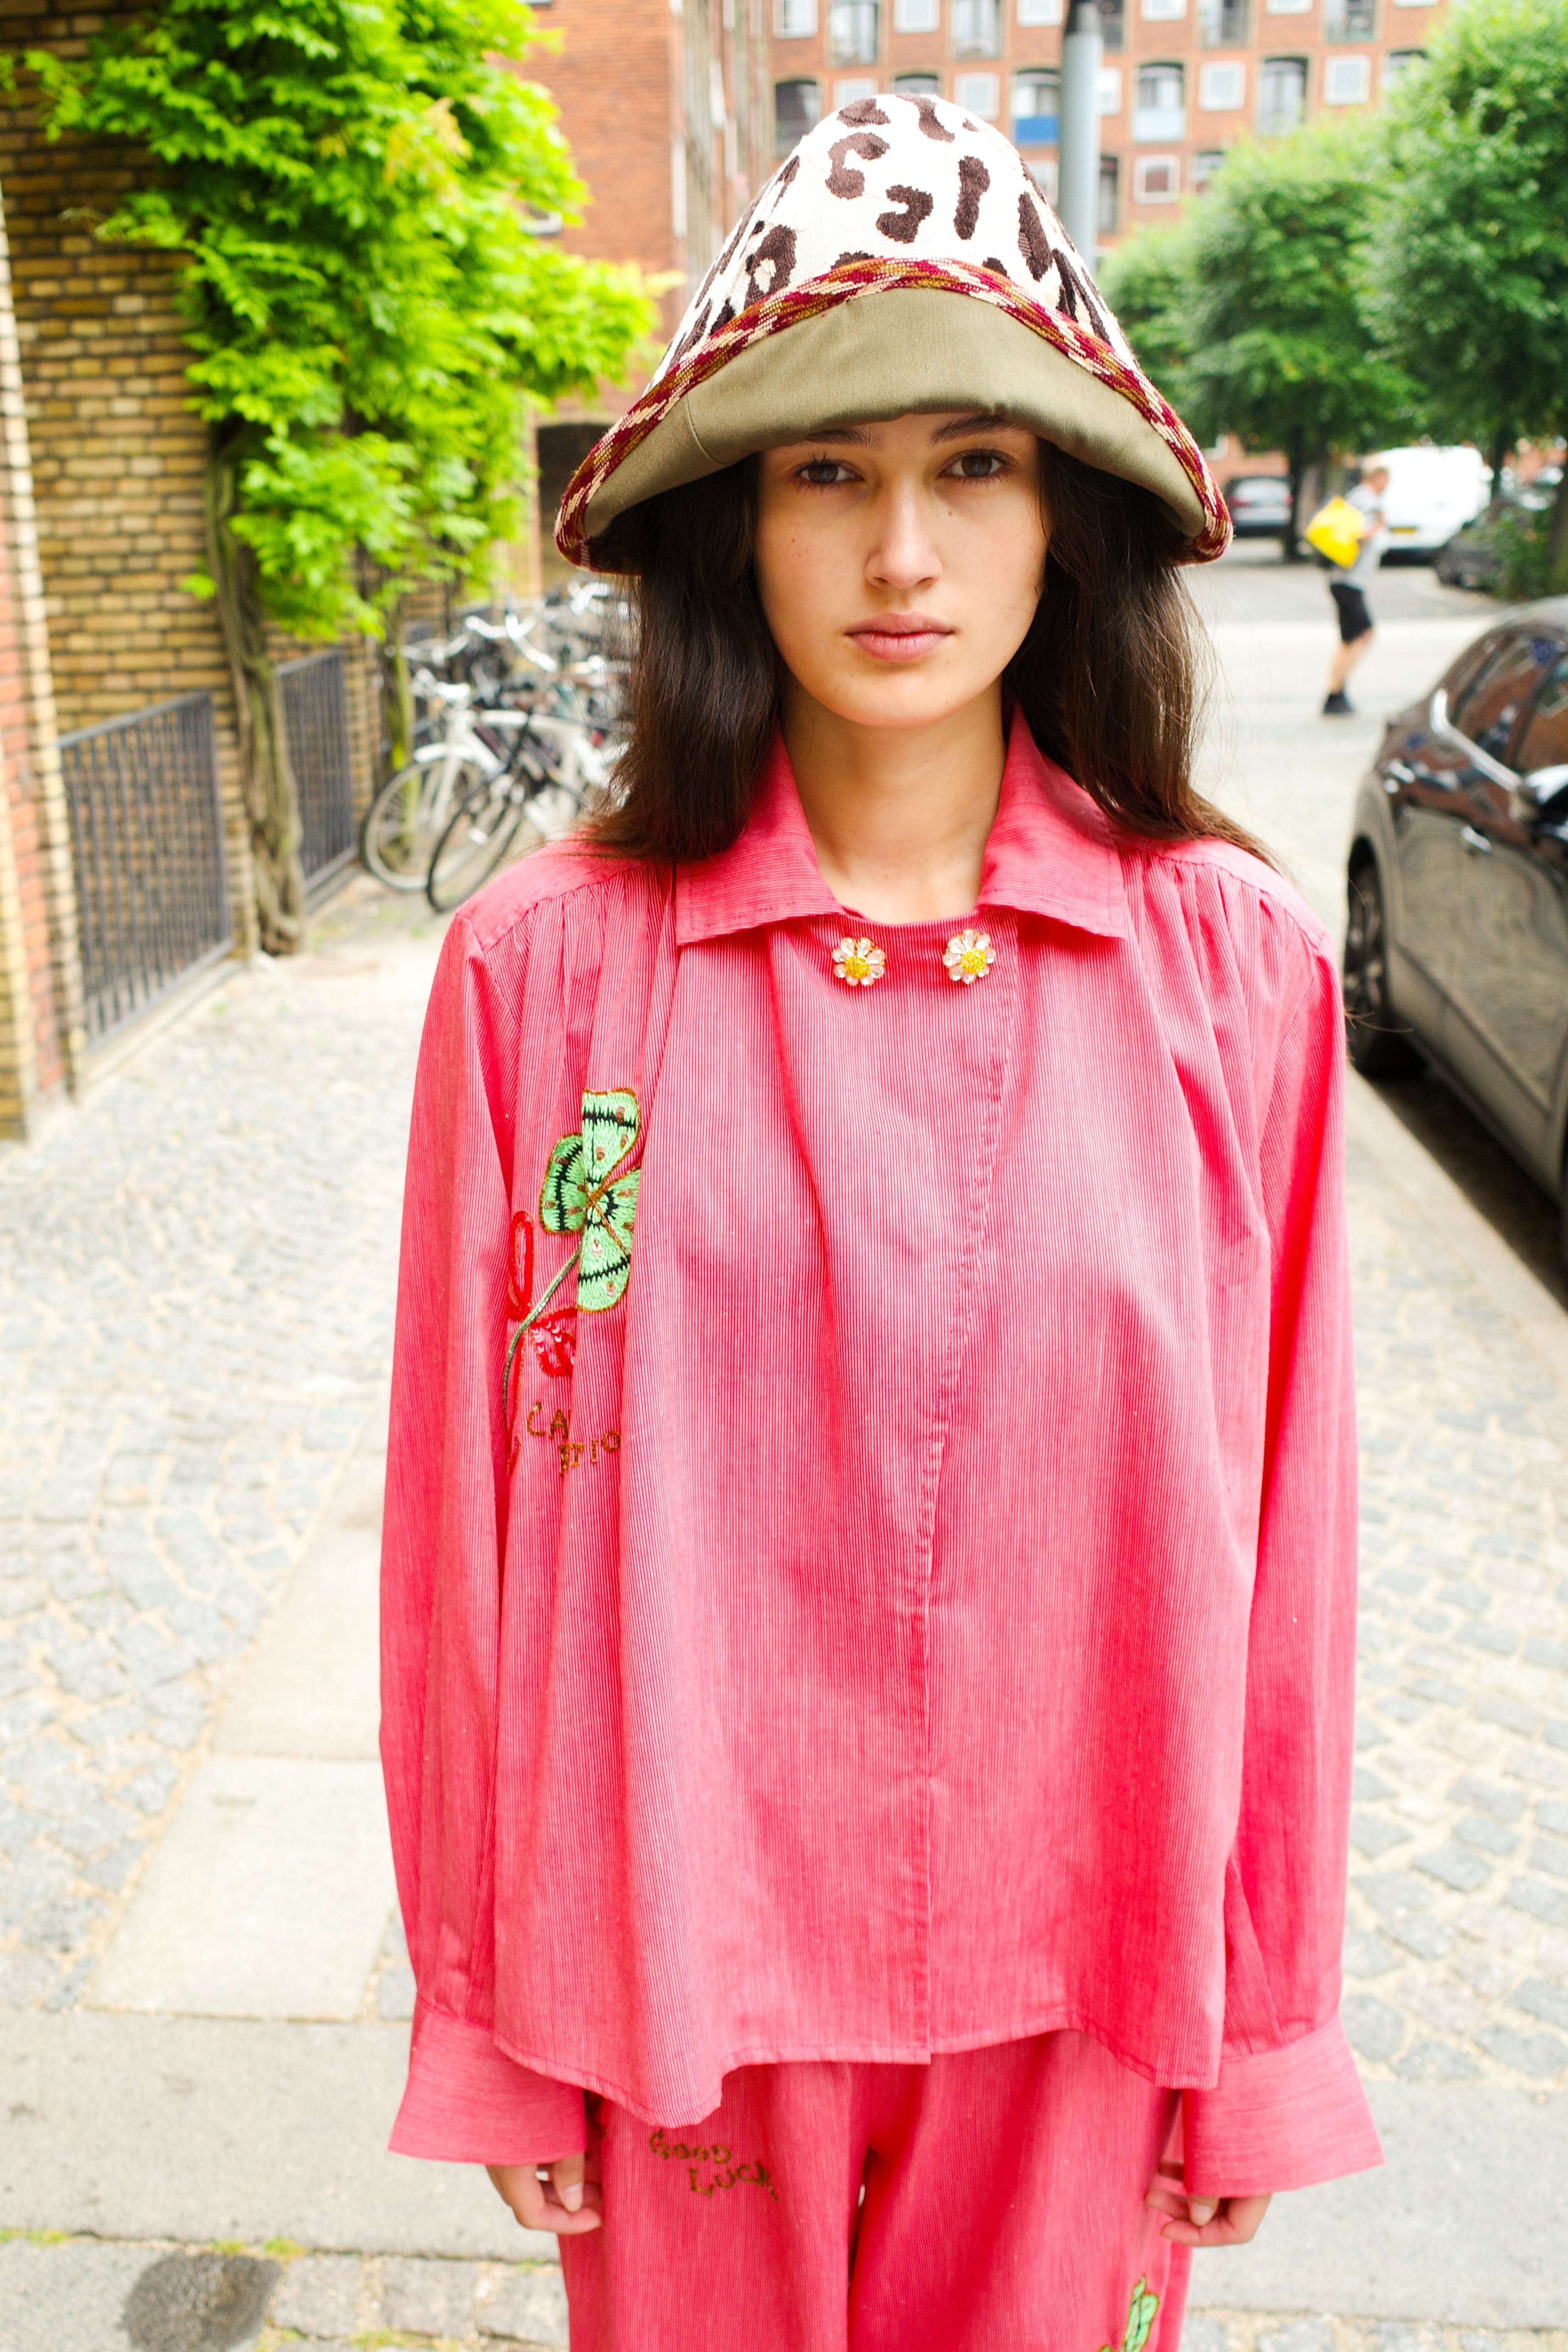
(1109, 678)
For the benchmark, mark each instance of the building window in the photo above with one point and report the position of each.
(850, 92)
(1205, 166)
(794, 20)
(1347, 82)
(1287, 8)
(852, 26)
(1161, 10)
(797, 107)
(1222, 86)
(1225, 23)
(1398, 62)
(1282, 94)
(917, 85)
(1350, 20)
(1110, 193)
(1161, 111)
(977, 28)
(917, 15)
(1040, 12)
(1036, 108)
(1108, 90)
(1156, 179)
(979, 94)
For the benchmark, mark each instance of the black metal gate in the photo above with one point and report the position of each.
(316, 716)
(147, 844)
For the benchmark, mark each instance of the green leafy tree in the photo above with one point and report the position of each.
(348, 184)
(1470, 266)
(1278, 347)
(1147, 280)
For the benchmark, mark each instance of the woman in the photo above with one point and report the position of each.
(871, 1523)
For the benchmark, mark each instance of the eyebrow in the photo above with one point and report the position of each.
(958, 430)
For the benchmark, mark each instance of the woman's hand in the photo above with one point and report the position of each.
(563, 2197)
(1203, 2221)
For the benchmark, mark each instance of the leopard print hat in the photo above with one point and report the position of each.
(797, 326)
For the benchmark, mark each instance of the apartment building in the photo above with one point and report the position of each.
(1181, 80)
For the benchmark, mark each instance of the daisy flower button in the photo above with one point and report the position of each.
(969, 957)
(857, 963)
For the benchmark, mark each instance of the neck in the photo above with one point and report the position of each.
(899, 815)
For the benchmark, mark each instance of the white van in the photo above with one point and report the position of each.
(1431, 494)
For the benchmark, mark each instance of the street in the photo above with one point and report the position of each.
(202, 1991)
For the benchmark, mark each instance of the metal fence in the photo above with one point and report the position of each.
(147, 844)
(316, 716)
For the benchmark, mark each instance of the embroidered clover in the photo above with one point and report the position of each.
(1140, 2319)
(588, 1191)
(968, 957)
(858, 963)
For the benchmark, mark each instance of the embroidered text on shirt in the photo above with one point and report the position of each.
(709, 2169)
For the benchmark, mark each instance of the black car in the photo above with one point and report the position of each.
(1457, 945)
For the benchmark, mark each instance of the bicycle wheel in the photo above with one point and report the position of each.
(472, 846)
(407, 818)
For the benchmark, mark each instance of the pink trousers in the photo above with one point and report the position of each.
(987, 2202)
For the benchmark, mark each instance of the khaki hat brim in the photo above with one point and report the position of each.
(896, 353)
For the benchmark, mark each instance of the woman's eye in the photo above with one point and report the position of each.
(979, 465)
(822, 472)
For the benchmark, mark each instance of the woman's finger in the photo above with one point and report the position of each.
(536, 2203)
(1233, 2223)
(566, 2179)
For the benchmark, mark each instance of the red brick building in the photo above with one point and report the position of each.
(1182, 79)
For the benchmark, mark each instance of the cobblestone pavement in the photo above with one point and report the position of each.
(1457, 1958)
(75, 2295)
(196, 1276)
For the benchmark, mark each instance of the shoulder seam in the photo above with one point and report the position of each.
(1313, 928)
(515, 922)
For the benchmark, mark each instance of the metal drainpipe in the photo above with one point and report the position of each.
(1078, 168)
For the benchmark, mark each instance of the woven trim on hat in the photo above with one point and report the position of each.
(875, 276)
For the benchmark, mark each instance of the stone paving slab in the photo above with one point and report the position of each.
(196, 1285)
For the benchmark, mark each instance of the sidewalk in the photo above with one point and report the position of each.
(208, 1997)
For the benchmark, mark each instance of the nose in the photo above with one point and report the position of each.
(904, 555)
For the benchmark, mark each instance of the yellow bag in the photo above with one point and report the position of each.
(1337, 531)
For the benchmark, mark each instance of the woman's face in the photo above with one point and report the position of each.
(900, 564)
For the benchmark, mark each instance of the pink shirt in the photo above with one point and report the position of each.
(918, 1611)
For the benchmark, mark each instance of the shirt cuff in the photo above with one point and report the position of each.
(1282, 2119)
(467, 2103)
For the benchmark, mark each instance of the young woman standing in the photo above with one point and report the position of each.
(870, 1542)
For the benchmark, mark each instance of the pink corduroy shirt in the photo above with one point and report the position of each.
(910, 1603)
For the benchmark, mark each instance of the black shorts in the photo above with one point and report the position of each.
(1354, 620)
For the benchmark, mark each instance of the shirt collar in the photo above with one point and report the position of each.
(1049, 851)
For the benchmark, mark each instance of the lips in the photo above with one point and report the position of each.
(899, 637)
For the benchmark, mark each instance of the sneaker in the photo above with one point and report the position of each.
(1338, 706)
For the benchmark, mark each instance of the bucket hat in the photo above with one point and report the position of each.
(901, 259)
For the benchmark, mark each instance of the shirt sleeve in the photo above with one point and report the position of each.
(466, 2101)
(1289, 2108)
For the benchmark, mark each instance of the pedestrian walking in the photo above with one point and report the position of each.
(1348, 585)
(870, 1568)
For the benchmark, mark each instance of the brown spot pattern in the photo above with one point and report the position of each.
(973, 181)
(901, 227)
(929, 124)
(862, 111)
(1033, 242)
(843, 180)
(769, 264)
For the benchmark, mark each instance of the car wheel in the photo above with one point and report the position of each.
(1377, 1047)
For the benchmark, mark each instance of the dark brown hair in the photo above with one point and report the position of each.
(1108, 676)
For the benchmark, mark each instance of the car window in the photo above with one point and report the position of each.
(1488, 710)
(1545, 743)
(1468, 666)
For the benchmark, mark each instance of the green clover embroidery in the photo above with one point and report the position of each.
(1140, 2318)
(584, 1194)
